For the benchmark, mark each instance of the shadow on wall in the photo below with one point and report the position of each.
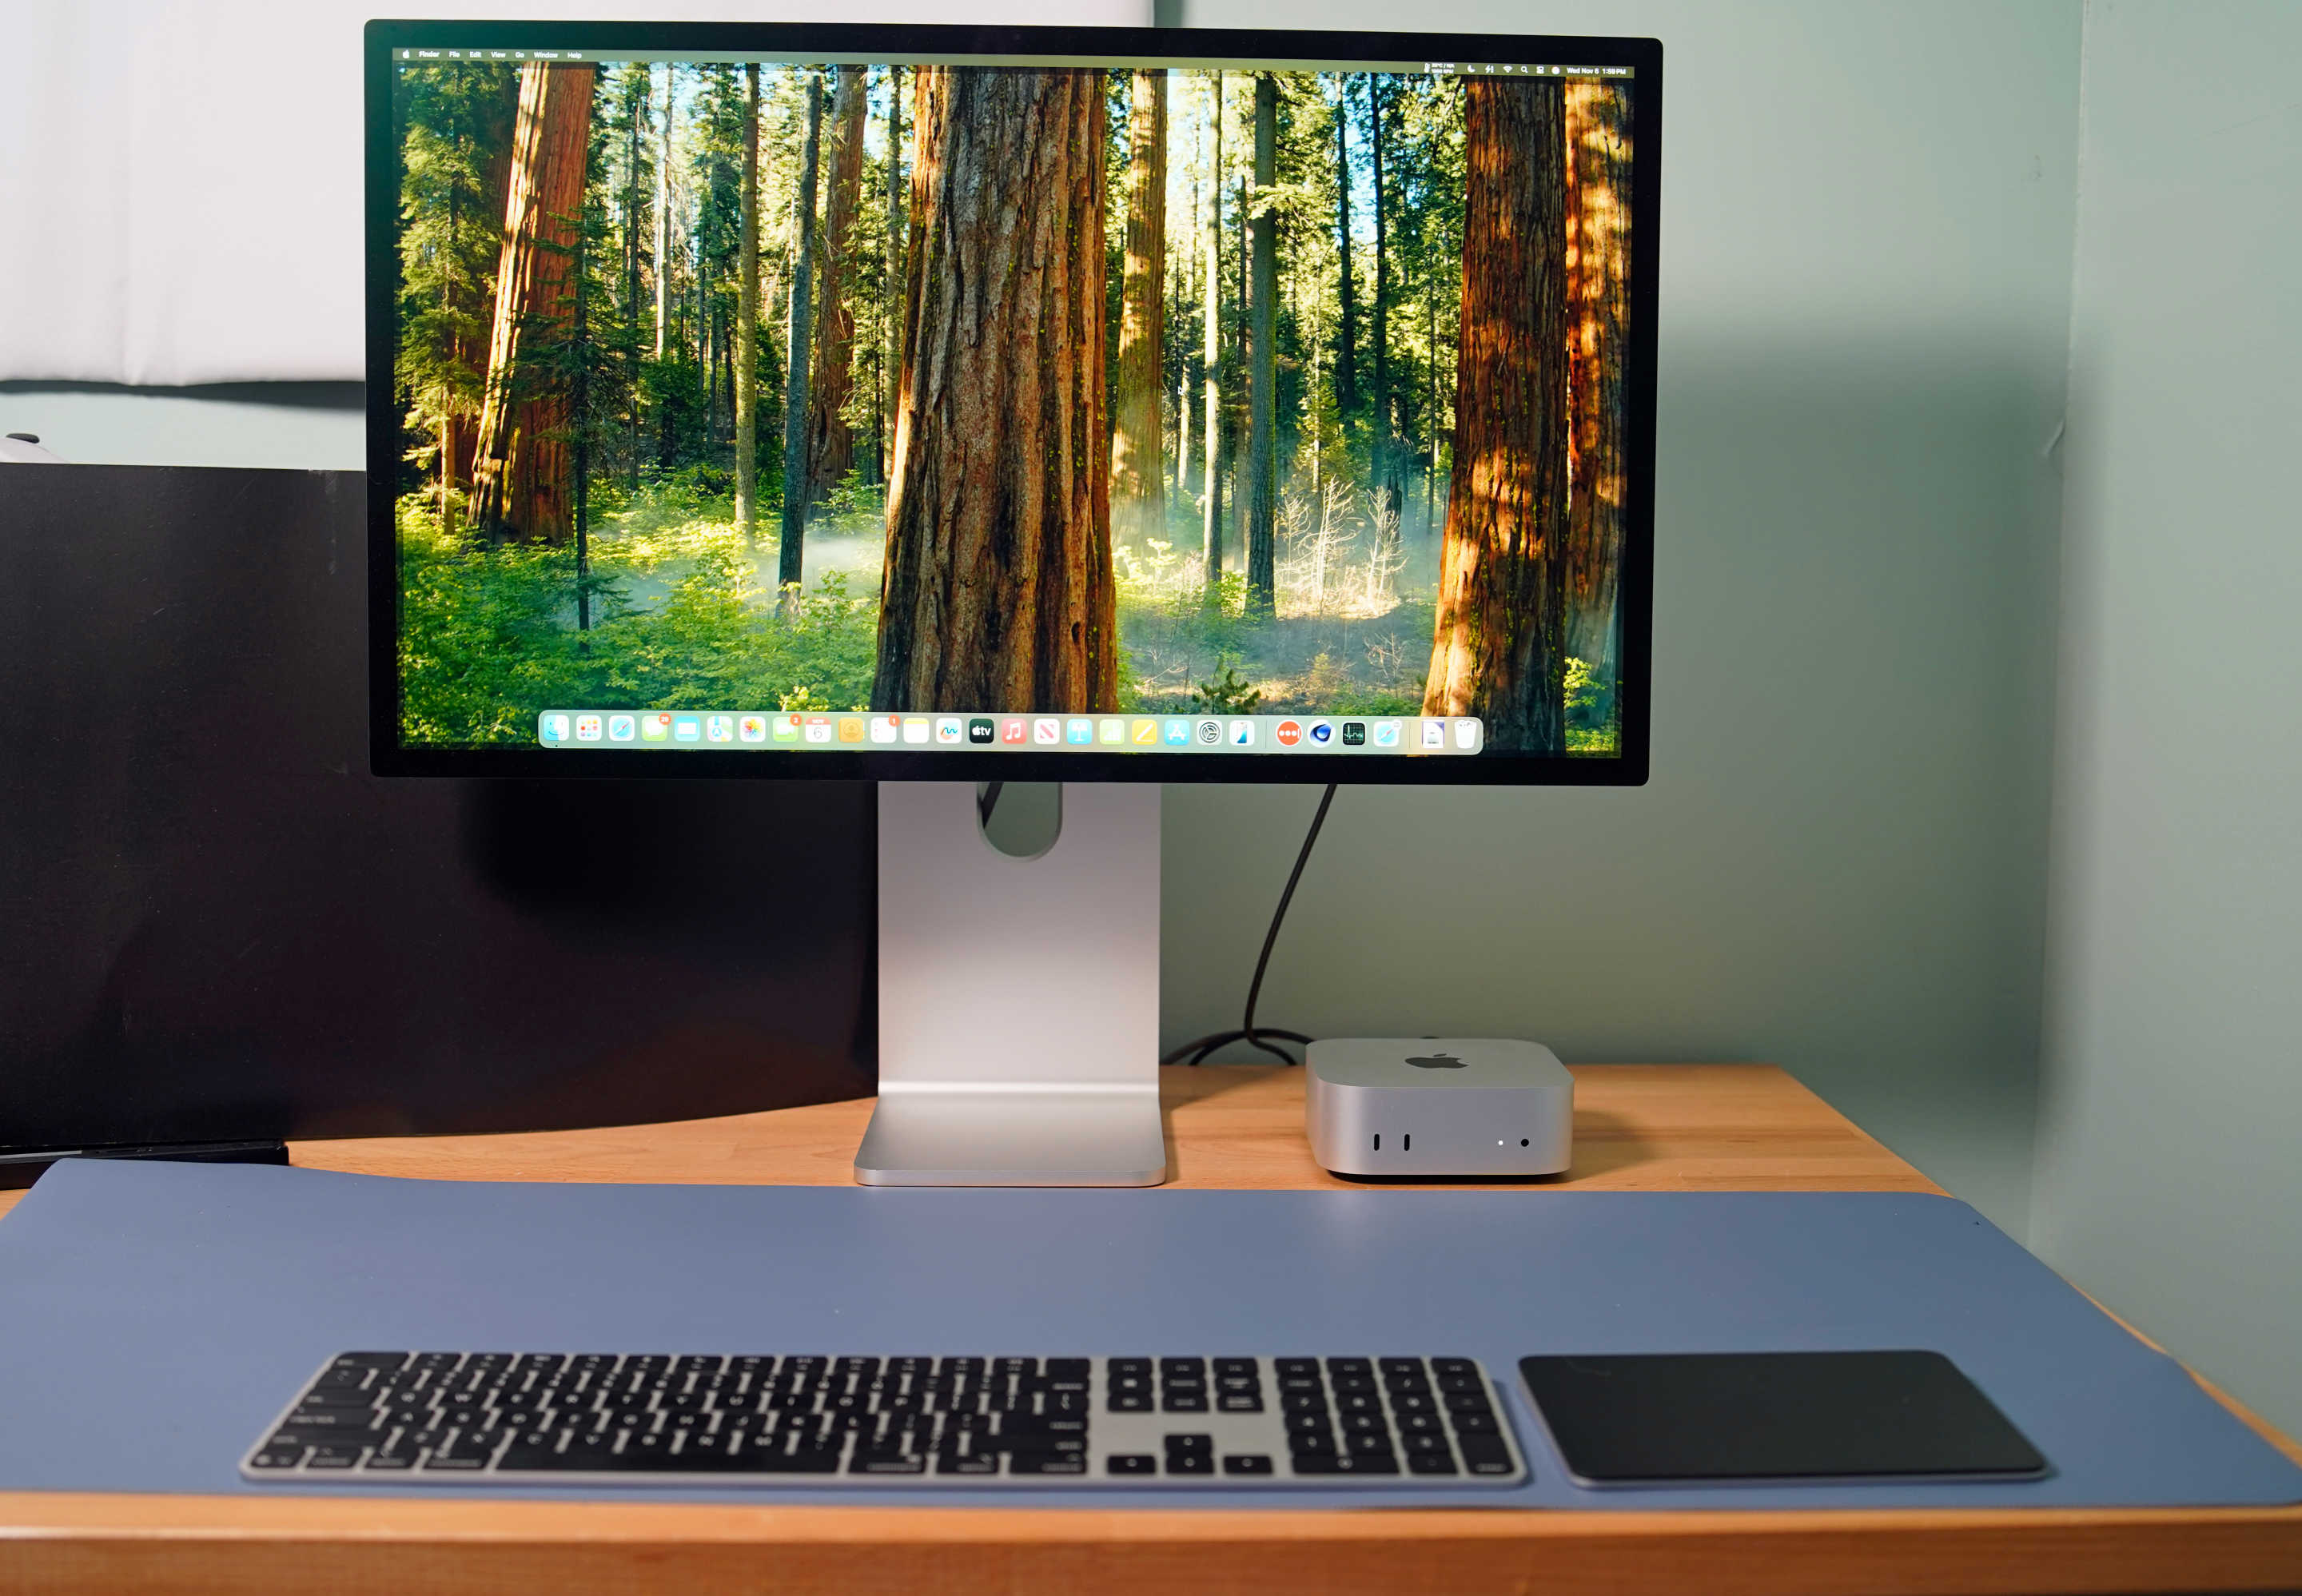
(1838, 864)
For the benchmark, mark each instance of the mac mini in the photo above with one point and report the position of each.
(1438, 1106)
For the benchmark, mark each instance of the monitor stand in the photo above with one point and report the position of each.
(1019, 998)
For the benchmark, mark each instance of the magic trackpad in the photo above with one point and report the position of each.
(1773, 1415)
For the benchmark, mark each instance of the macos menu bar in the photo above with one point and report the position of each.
(417, 56)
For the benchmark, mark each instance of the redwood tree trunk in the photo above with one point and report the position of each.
(1497, 650)
(830, 442)
(999, 593)
(1598, 296)
(1139, 472)
(520, 472)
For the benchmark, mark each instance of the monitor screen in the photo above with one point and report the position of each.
(1007, 402)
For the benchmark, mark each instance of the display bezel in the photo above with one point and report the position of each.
(904, 43)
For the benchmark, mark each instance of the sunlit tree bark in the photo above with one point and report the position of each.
(520, 470)
(1599, 293)
(997, 592)
(1138, 477)
(1498, 650)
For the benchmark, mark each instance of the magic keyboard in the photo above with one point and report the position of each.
(477, 1417)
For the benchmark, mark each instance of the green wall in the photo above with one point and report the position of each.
(1839, 864)
(2170, 1147)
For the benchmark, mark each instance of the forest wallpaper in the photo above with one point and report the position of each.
(1000, 388)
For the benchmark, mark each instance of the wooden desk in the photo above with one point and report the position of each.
(1638, 1128)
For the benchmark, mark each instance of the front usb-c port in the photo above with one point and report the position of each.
(1407, 1144)
(1378, 1141)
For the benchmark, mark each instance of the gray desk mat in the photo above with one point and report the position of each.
(155, 1317)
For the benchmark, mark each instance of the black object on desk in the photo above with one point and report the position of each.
(1652, 1418)
(216, 927)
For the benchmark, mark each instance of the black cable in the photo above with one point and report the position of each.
(987, 800)
(1249, 1031)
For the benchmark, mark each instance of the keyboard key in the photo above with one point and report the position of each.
(1485, 1455)
(1383, 1464)
(1246, 1463)
(1191, 1443)
(1429, 1463)
(1296, 1368)
(889, 1463)
(1050, 1463)
(328, 1396)
(1352, 1367)
(1190, 1463)
(1131, 1463)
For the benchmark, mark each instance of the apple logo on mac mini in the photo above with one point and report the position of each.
(1438, 1061)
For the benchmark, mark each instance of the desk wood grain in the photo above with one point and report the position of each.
(1638, 1128)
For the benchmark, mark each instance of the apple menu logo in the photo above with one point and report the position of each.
(1438, 1061)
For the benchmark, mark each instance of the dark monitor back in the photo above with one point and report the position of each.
(215, 923)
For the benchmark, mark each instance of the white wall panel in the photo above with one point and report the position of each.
(180, 184)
